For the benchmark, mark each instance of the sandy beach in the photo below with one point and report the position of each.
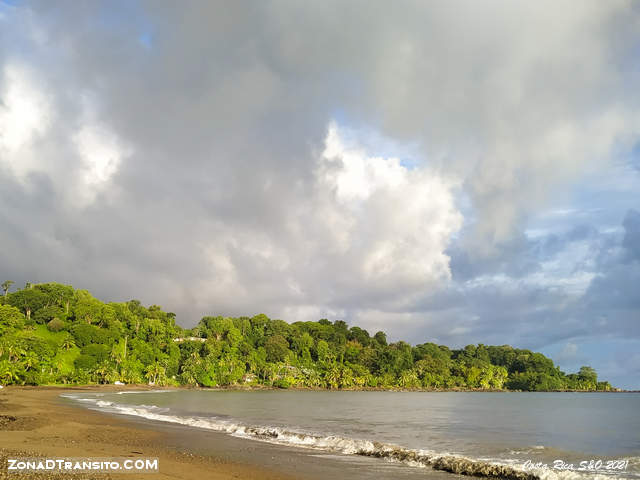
(35, 422)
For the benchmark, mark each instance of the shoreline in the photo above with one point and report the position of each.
(36, 422)
(39, 422)
(240, 387)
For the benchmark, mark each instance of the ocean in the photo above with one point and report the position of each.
(420, 434)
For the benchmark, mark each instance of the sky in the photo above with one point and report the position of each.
(455, 172)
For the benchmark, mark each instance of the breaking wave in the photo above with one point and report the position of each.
(458, 464)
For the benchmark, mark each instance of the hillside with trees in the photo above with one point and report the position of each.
(54, 334)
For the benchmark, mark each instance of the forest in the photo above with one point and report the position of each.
(54, 334)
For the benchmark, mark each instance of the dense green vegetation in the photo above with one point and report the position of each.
(52, 333)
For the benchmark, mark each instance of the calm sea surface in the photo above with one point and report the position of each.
(415, 428)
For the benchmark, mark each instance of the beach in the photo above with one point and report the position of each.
(36, 422)
(314, 435)
(40, 422)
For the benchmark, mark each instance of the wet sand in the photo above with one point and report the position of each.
(36, 422)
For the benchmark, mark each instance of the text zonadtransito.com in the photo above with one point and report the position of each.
(69, 465)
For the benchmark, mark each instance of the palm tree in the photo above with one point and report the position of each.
(155, 372)
(346, 377)
(313, 378)
(117, 354)
(68, 342)
(130, 375)
(272, 372)
(6, 285)
(59, 365)
(8, 372)
(30, 361)
(103, 371)
(189, 375)
(408, 379)
(15, 352)
(359, 381)
(332, 377)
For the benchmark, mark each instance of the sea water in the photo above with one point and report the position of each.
(546, 435)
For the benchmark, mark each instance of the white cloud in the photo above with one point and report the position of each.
(34, 135)
(25, 114)
(357, 176)
(371, 232)
(101, 152)
(396, 222)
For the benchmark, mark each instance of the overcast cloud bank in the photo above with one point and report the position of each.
(455, 172)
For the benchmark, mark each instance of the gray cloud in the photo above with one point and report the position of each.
(179, 153)
(631, 240)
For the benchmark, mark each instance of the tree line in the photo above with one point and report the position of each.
(54, 334)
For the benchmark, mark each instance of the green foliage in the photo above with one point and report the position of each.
(282, 383)
(381, 338)
(51, 333)
(28, 300)
(277, 348)
(99, 352)
(85, 362)
(55, 325)
(85, 334)
(588, 374)
(10, 319)
(43, 348)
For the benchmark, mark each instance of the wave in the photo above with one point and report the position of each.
(132, 392)
(447, 462)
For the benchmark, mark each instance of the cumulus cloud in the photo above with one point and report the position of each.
(369, 231)
(395, 222)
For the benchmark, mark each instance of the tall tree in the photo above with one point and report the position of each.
(6, 285)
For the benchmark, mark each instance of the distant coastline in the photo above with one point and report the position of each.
(251, 388)
(55, 334)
